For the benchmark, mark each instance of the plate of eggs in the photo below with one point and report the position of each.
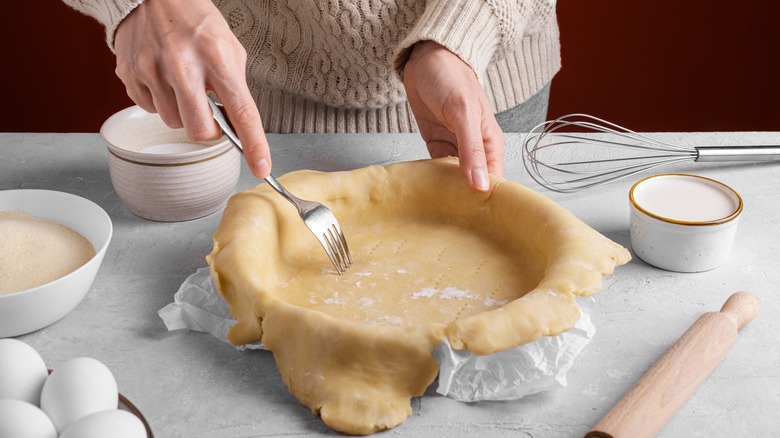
(77, 399)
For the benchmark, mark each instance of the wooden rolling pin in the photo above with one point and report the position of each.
(654, 399)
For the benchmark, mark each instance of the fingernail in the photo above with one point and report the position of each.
(261, 168)
(479, 178)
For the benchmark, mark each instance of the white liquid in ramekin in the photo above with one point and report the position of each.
(686, 198)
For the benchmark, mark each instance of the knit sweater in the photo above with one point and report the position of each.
(325, 66)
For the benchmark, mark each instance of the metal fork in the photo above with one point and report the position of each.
(317, 217)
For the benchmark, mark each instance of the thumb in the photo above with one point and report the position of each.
(471, 152)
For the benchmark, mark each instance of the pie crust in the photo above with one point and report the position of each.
(433, 259)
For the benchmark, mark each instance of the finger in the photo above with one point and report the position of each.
(198, 119)
(163, 98)
(249, 127)
(142, 97)
(196, 114)
(244, 116)
(150, 103)
(136, 91)
(148, 88)
(493, 141)
(225, 75)
(471, 150)
(474, 166)
(166, 105)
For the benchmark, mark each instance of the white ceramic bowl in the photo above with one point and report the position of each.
(683, 223)
(26, 311)
(160, 174)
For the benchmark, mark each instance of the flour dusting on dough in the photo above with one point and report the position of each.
(450, 292)
(386, 320)
(490, 302)
(259, 222)
(334, 299)
(424, 293)
(447, 293)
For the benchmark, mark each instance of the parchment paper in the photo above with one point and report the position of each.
(508, 375)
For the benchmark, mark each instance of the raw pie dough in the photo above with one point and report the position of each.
(432, 260)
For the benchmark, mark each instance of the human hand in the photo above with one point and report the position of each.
(452, 112)
(170, 53)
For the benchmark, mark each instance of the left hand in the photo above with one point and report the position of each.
(453, 113)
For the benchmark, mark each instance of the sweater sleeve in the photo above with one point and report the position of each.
(477, 31)
(108, 12)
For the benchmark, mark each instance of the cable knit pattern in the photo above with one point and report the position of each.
(335, 65)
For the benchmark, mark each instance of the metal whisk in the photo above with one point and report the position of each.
(566, 161)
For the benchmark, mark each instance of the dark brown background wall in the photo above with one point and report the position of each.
(669, 65)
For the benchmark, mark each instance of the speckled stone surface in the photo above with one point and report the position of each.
(192, 385)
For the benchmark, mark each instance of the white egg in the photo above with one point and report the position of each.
(22, 372)
(77, 388)
(19, 419)
(114, 424)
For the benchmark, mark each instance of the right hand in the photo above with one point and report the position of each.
(453, 112)
(170, 53)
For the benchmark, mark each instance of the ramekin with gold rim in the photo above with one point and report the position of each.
(683, 223)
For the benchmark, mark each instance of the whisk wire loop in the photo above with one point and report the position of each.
(578, 151)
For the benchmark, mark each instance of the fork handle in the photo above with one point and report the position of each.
(285, 194)
(224, 123)
(738, 153)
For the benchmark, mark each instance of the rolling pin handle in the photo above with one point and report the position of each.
(741, 307)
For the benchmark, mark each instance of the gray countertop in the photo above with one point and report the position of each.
(190, 384)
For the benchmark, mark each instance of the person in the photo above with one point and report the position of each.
(440, 67)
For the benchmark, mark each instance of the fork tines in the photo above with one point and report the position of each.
(335, 245)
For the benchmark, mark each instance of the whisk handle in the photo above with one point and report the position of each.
(738, 153)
